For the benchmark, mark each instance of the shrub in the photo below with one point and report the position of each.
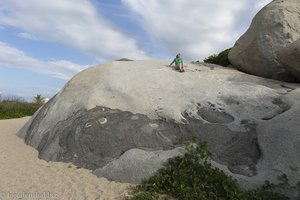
(11, 107)
(220, 59)
(191, 177)
(38, 99)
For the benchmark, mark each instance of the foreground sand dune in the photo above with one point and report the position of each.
(22, 174)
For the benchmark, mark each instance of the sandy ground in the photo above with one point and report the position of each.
(24, 176)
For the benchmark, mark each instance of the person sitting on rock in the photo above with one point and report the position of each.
(178, 63)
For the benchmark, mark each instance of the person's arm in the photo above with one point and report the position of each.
(172, 63)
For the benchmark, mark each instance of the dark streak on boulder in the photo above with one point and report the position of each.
(94, 138)
(91, 139)
(229, 147)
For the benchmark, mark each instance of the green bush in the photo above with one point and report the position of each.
(38, 99)
(192, 177)
(16, 108)
(220, 59)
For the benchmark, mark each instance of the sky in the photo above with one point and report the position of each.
(43, 43)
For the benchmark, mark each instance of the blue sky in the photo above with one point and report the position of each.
(43, 43)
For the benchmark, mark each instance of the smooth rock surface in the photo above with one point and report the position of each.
(110, 114)
(137, 163)
(289, 57)
(273, 28)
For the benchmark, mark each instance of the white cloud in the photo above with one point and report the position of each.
(12, 57)
(196, 28)
(27, 36)
(75, 23)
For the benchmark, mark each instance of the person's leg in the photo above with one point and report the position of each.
(181, 67)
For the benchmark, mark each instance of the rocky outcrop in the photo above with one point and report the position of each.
(289, 57)
(273, 28)
(124, 59)
(123, 120)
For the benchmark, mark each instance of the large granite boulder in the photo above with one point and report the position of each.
(273, 28)
(289, 57)
(123, 120)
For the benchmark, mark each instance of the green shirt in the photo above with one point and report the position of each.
(178, 61)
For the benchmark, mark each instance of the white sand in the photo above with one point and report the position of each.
(22, 172)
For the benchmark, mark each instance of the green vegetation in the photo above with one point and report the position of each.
(192, 177)
(220, 59)
(14, 107)
(38, 99)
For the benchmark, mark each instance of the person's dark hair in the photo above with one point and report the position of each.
(178, 55)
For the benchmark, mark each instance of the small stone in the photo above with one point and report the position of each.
(88, 125)
(134, 117)
(154, 125)
(103, 120)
